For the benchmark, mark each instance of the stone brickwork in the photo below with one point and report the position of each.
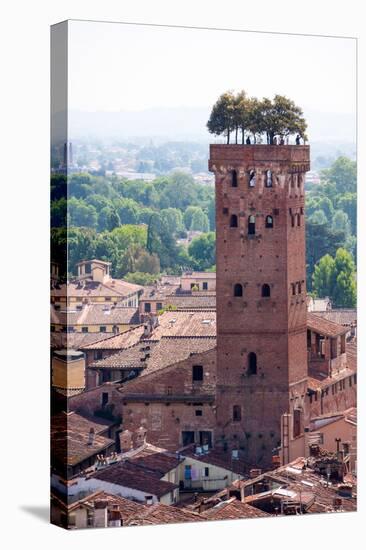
(260, 245)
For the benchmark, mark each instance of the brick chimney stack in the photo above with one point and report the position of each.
(125, 440)
(100, 513)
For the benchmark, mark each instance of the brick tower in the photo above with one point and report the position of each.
(261, 294)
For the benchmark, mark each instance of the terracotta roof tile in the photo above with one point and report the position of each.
(128, 474)
(324, 326)
(345, 317)
(95, 314)
(70, 437)
(162, 513)
(88, 288)
(233, 509)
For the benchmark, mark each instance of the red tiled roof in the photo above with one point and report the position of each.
(70, 438)
(233, 509)
(345, 317)
(323, 326)
(118, 342)
(89, 288)
(76, 340)
(162, 513)
(128, 508)
(95, 314)
(128, 474)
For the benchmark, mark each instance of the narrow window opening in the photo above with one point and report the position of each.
(234, 220)
(252, 178)
(197, 373)
(269, 222)
(234, 179)
(236, 413)
(252, 363)
(238, 290)
(268, 178)
(251, 225)
(297, 422)
(266, 291)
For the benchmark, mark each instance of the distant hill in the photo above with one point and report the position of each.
(189, 123)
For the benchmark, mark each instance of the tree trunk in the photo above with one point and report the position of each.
(228, 137)
(242, 135)
(236, 134)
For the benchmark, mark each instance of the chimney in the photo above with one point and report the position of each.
(149, 500)
(254, 472)
(125, 441)
(147, 329)
(114, 516)
(139, 437)
(100, 513)
(91, 436)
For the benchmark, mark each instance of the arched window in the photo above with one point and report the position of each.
(293, 286)
(298, 220)
(234, 179)
(292, 221)
(299, 288)
(251, 225)
(252, 363)
(115, 329)
(236, 413)
(269, 222)
(268, 178)
(252, 178)
(234, 220)
(266, 291)
(238, 290)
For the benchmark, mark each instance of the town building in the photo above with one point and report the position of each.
(336, 432)
(93, 318)
(94, 284)
(99, 509)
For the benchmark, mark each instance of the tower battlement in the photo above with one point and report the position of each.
(293, 157)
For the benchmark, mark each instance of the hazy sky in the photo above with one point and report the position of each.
(115, 67)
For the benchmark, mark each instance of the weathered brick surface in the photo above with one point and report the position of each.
(166, 402)
(274, 328)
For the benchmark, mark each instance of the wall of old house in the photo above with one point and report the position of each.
(335, 397)
(218, 478)
(167, 402)
(91, 400)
